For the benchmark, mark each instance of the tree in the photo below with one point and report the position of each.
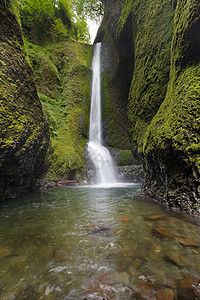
(89, 8)
(45, 20)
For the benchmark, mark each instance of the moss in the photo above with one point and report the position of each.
(125, 158)
(163, 90)
(114, 110)
(63, 77)
(178, 118)
(24, 130)
(113, 116)
(152, 45)
(126, 11)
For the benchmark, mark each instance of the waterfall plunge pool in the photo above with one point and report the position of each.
(93, 243)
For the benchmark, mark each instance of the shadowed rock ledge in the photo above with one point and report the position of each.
(24, 131)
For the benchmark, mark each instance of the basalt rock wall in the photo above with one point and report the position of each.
(154, 53)
(24, 134)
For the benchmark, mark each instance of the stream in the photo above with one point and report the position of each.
(94, 243)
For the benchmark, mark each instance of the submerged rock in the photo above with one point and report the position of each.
(155, 218)
(176, 259)
(188, 242)
(189, 288)
(125, 219)
(122, 277)
(162, 232)
(4, 251)
(99, 228)
(28, 292)
(144, 290)
(165, 294)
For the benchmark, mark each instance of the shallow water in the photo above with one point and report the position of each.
(80, 242)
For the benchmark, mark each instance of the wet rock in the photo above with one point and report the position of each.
(4, 251)
(122, 277)
(125, 219)
(128, 254)
(133, 173)
(162, 232)
(100, 286)
(132, 271)
(176, 259)
(98, 228)
(191, 243)
(165, 294)
(101, 299)
(155, 218)
(144, 290)
(27, 292)
(189, 288)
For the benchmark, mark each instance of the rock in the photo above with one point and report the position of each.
(27, 292)
(155, 218)
(144, 290)
(162, 232)
(124, 219)
(189, 288)
(133, 173)
(98, 228)
(4, 251)
(165, 294)
(99, 286)
(187, 242)
(132, 271)
(176, 259)
(24, 128)
(122, 277)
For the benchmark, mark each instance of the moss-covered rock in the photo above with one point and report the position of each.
(63, 75)
(24, 131)
(117, 62)
(173, 136)
(154, 48)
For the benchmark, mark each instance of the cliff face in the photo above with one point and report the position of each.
(155, 53)
(24, 131)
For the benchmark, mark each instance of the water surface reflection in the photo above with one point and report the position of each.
(78, 242)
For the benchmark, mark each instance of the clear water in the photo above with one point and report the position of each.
(81, 242)
(100, 155)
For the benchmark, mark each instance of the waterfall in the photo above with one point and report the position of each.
(100, 155)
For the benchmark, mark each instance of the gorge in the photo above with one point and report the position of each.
(61, 237)
(150, 91)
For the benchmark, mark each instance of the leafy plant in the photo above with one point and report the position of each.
(89, 8)
(51, 20)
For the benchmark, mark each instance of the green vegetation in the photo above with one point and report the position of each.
(152, 65)
(162, 37)
(114, 116)
(125, 158)
(61, 65)
(93, 9)
(24, 130)
(62, 72)
(46, 21)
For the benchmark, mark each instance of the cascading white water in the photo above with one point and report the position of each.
(100, 156)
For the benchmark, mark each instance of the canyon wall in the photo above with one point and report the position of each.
(24, 131)
(154, 53)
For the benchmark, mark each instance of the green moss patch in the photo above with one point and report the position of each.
(63, 76)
